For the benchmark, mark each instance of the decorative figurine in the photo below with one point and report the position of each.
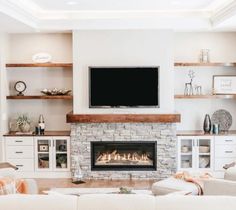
(41, 125)
(188, 90)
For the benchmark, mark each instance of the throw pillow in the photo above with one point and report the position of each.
(7, 186)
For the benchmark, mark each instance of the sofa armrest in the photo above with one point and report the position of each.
(219, 187)
(230, 174)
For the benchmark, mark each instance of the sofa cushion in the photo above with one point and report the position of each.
(195, 203)
(38, 202)
(7, 185)
(171, 185)
(116, 202)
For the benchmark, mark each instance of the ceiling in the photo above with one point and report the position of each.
(159, 5)
(64, 15)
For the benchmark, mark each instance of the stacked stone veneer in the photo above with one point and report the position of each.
(165, 135)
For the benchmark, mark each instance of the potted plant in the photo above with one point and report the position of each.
(23, 123)
(62, 160)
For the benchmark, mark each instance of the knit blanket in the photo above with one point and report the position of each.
(9, 185)
(197, 180)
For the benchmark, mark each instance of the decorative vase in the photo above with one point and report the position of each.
(24, 128)
(207, 124)
(63, 165)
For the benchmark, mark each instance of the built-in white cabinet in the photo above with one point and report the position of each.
(39, 156)
(20, 152)
(52, 154)
(195, 153)
(225, 151)
(208, 153)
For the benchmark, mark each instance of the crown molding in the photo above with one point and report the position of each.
(223, 13)
(11, 9)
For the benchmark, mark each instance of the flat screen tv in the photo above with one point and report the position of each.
(123, 87)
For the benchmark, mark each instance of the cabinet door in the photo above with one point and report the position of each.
(204, 153)
(61, 154)
(186, 153)
(43, 154)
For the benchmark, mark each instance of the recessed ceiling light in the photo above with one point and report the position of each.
(72, 2)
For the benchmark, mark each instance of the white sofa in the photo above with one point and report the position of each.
(115, 202)
(226, 186)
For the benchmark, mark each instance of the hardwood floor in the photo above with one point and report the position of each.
(47, 184)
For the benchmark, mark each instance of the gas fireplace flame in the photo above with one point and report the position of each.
(116, 157)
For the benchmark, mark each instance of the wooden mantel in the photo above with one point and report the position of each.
(123, 118)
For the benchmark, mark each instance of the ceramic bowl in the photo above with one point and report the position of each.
(184, 149)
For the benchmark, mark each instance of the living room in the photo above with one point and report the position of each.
(117, 105)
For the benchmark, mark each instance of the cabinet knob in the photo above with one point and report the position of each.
(228, 151)
(19, 152)
(18, 141)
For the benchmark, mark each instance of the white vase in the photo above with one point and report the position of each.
(63, 165)
(25, 128)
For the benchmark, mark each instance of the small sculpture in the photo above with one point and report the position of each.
(188, 90)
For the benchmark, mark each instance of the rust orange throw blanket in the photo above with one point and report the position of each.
(9, 185)
(198, 181)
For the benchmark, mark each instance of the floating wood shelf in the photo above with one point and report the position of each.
(205, 64)
(46, 133)
(63, 65)
(41, 97)
(123, 118)
(206, 97)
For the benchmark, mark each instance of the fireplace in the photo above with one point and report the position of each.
(110, 155)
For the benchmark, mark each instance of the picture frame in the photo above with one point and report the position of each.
(224, 84)
(43, 148)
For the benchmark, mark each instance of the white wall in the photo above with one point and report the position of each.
(187, 48)
(3, 88)
(21, 49)
(23, 46)
(123, 48)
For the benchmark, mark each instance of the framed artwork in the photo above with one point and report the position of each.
(224, 84)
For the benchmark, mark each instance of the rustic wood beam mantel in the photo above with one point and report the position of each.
(123, 118)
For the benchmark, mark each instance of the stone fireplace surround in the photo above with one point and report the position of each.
(82, 134)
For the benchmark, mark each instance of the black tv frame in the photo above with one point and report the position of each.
(120, 107)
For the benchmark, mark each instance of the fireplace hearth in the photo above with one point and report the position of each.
(109, 155)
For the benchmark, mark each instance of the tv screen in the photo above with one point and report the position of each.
(123, 87)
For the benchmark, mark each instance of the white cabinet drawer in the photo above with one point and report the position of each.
(19, 152)
(23, 164)
(18, 141)
(220, 162)
(225, 151)
(219, 140)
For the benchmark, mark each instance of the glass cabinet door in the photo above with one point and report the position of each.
(186, 152)
(61, 153)
(204, 156)
(43, 151)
